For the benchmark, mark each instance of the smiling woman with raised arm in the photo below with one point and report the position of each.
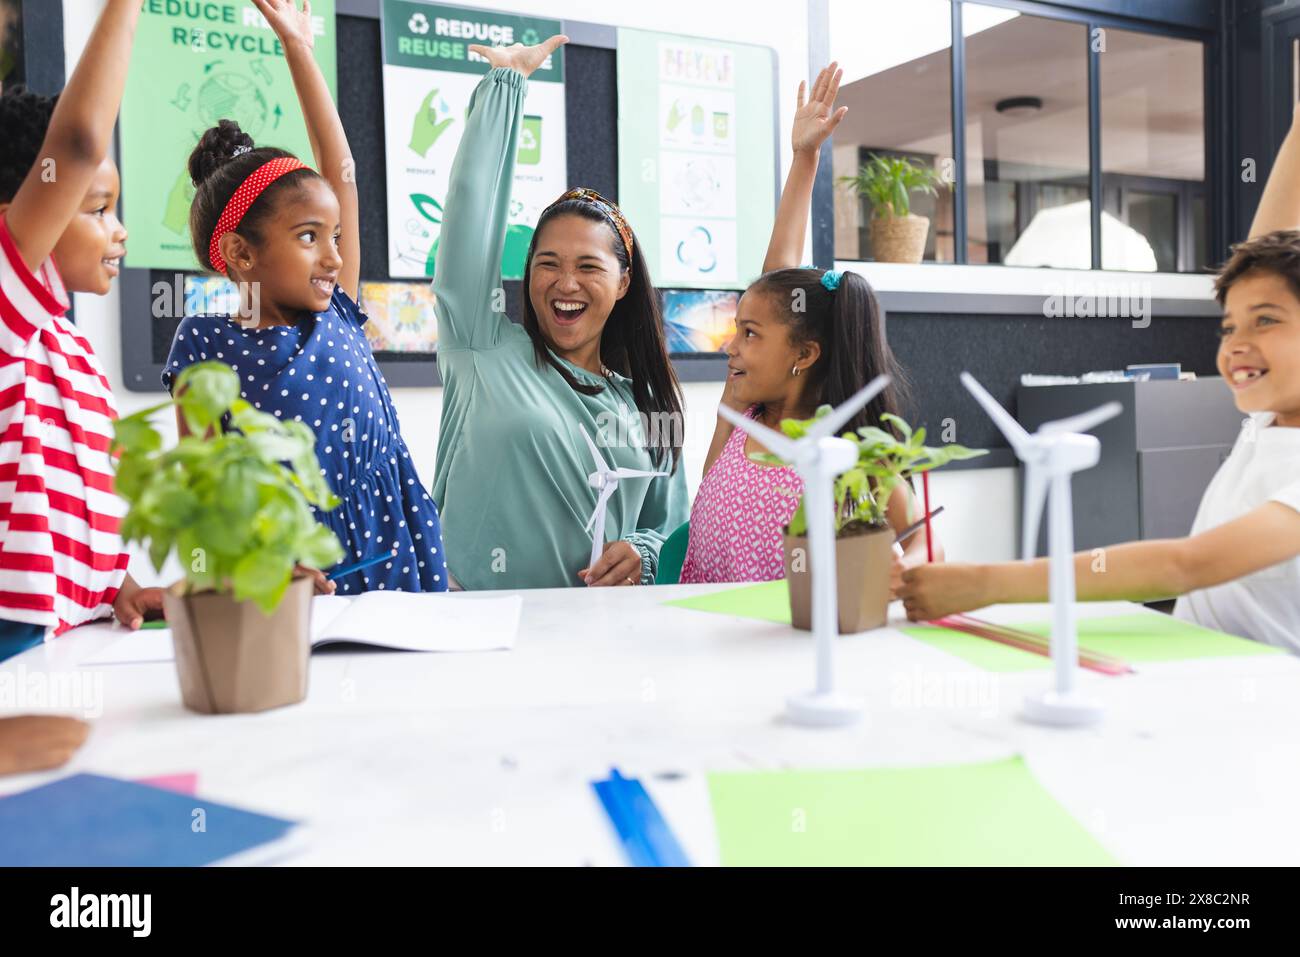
(512, 474)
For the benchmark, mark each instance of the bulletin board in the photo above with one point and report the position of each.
(697, 320)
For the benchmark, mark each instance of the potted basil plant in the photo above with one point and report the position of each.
(233, 501)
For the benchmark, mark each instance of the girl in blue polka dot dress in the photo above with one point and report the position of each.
(288, 237)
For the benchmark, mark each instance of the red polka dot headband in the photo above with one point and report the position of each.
(244, 197)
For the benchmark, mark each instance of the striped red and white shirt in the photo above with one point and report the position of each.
(61, 557)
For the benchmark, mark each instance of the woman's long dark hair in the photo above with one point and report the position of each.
(632, 343)
(849, 326)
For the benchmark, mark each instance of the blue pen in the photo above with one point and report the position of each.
(646, 837)
(340, 570)
(655, 830)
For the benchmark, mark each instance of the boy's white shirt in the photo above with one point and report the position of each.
(1264, 467)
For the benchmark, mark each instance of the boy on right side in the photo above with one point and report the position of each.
(1239, 570)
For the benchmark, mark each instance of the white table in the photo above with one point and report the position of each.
(487, 758)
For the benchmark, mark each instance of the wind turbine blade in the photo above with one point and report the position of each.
(595, 453)
(774, 440)
(599, 513)
(1012, 429)
(1035, 495)
(848, 409)
(1084, 421)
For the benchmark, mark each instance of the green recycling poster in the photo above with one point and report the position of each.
(690, 148)
(429, 75)
(195, 63)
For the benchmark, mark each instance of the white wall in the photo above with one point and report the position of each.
(979, 519)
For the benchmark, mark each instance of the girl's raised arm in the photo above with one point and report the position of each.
(79, 137)
(329, 144)
(814, 121)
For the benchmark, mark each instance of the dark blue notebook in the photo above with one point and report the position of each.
(88, 820)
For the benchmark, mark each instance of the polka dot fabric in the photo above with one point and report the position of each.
(321, 372)
(243, 198)
(737, 518)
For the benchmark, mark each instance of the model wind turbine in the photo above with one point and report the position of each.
(605, 480)
(1051, 455)
(819, 457)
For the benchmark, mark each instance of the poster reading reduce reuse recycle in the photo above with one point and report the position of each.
(196, 62)
(697, 165)
(429, 75)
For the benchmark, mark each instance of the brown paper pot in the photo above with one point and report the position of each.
(899, 239)
(863, 560)
(233, 659)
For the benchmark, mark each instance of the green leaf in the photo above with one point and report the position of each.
(205, 392)
(320, 548)
(136, 433)
(234, 505)
(262, 576)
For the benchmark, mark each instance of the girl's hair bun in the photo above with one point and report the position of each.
(217, 147)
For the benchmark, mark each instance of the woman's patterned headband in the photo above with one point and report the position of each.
(607, 209)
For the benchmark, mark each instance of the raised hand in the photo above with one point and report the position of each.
(816, 119)
(519, 57)
(288, 22)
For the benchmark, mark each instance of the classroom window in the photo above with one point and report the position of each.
(1028, 134)
(897, 62)
(1152, 151)
(1026, 140)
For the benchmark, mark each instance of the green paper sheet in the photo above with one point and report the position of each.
(1141, 637)
(980, 652)
(767, 601)
(990, 814)
(1132, 638)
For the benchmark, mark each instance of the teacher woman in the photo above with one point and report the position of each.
(511, 480)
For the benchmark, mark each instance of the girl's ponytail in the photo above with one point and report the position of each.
(857, 350)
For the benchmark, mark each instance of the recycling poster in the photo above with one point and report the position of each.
(429, 75)
(192, 65)
(697, 161)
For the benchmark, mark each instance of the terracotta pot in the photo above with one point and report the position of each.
(232, 658)
(863, 558)
(899, 239)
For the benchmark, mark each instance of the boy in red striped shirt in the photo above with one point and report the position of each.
(61, 558)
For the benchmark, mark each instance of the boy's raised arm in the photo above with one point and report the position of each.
(79, 137)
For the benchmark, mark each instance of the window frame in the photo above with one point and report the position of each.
(1213, 191)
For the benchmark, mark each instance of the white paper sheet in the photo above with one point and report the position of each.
(401, 621)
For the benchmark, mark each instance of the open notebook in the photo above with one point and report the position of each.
(392, 620)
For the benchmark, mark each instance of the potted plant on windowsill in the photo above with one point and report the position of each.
(887, 183)
(864, 539)
(234, 504)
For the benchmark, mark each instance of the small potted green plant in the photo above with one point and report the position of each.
(887, 183)
(864, 539)
(232, 500)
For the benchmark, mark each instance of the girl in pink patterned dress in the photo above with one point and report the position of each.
(804, 338)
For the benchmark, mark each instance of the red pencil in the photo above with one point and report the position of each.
(929, 540)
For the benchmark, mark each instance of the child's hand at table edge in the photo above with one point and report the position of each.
(134, 604)
(322, 585)
(39, 742)
(937, 589)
